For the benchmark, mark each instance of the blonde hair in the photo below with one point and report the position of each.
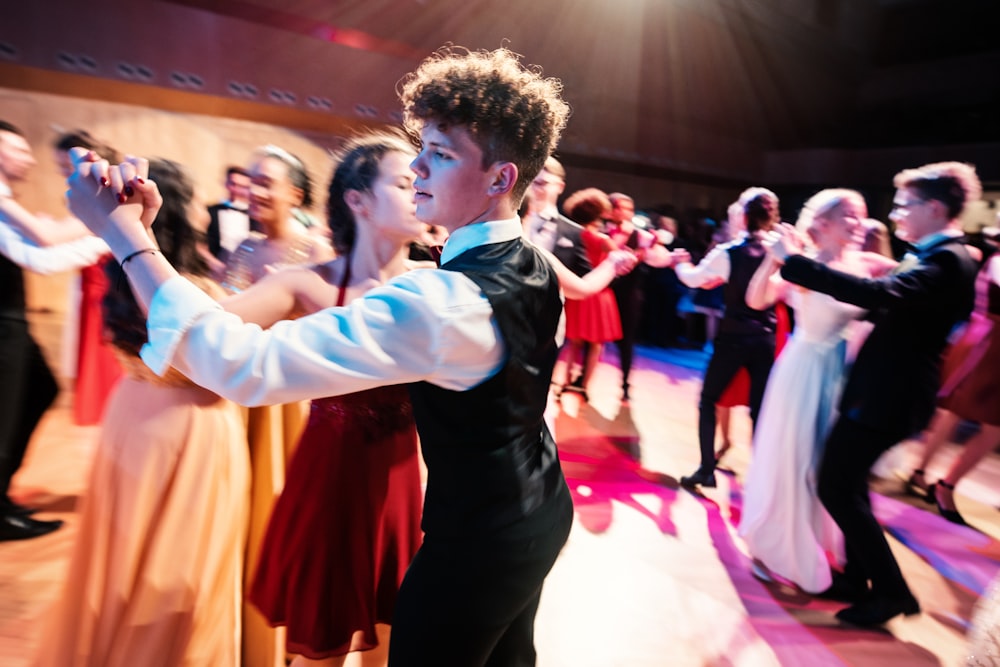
(822, 203)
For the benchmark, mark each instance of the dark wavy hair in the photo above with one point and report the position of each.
(177, 240)
(84, 139)
(512, 112)
(356, 168)
(761, 211)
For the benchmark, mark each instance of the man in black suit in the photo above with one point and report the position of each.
(890, 392)
(229, 223)
(554, 232)
(27, 385)
(547, 228)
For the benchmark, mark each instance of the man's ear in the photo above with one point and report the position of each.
(504, 178)
(939, 208)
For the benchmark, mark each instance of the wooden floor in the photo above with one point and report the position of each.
(652, 575)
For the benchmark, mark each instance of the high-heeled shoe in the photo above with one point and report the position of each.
(950, 515)
(916, 490)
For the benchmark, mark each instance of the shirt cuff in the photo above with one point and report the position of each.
(175, 306)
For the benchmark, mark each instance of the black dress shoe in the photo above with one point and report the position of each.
(23, 528)
(699, 478)
(845, 589)
(877, 610)
(8, 506)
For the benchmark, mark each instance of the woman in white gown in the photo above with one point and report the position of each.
(786, 528)
(984, 632)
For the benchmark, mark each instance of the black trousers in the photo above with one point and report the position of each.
(27, 389)
(730, 354)
(629, 296)
(472, 603)
(851, 450)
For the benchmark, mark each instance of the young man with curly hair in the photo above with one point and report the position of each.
(473, 339)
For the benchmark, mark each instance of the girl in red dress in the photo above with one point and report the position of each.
(595, 319)
(97, 366)
(347, 523)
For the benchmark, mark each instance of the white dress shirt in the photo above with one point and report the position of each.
(428, 324)
(714, 265)
(543, 227)
(234, 225)
(49, 259)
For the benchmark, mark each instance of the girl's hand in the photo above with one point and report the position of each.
(108, 197)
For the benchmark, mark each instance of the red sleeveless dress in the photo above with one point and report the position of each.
(346, 525)
(97, 367)
(595, 319)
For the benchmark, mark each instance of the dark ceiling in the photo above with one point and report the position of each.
(701, 86)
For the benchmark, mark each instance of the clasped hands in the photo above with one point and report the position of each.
(782, 241)
(624, 261)
(113, 201)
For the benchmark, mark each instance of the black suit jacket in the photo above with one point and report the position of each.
(212, 233)
(569, 248)
(894, 381)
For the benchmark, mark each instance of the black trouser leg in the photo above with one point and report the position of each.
(473, 602)
(851, 450)
(729, 355)
(723, 365)
(27, 389)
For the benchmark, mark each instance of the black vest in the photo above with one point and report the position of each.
(740, 319)
(12, 291)
(491, 460)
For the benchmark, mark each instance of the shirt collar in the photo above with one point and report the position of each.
(480, 233)
(5, 190)
(551, 213)
(935, 238)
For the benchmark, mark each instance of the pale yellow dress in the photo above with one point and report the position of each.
(155, 575)
(273, 431)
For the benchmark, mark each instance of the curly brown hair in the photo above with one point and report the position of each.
(587, 205)
(513, 113)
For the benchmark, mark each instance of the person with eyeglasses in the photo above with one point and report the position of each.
(891, 389)
(548, 229)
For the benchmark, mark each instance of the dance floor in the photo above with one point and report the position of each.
(652, 575)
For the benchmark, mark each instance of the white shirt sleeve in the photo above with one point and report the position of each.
(714, 265)
(430, 325)
(49, 259)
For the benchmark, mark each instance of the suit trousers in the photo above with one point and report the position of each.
(628, 295)
(851, 450)
(472, 602)
(730, 354)
(27, 389)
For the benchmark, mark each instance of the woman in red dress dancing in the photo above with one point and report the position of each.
(595, 319)
(347, 524)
